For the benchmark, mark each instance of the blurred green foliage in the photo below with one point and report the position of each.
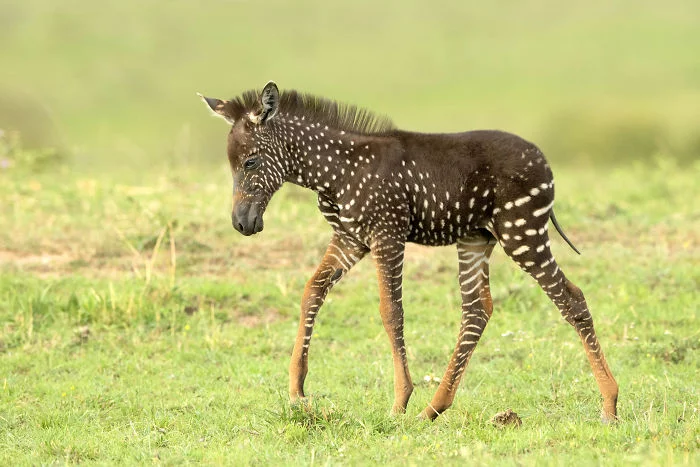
(115, 82)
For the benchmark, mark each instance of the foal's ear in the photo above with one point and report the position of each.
(217, 107)
(270, 101)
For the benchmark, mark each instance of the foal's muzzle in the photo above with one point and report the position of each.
(247, 218)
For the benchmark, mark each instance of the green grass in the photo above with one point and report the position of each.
(138, 327)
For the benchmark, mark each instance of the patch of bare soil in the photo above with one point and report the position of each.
(265, 317)
(30, 260)
(58, 264)
(222, 260)
(675, 241)
(268, 316)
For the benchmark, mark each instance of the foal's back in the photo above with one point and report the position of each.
(458, 183)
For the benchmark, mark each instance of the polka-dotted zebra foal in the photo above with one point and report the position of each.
(380, 187)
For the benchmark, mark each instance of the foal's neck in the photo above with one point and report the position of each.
(329, 161)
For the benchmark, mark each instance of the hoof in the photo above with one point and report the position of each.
(429, 413)
(609, 419)
(300, 403)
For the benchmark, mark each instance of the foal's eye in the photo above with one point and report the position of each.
(251, 163)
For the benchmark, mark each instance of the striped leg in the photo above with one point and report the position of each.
(477, 306)
(341, 255)
(540, 264)
(388, 256)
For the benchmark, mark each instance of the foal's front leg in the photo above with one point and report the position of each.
(341, 255)
(388, 256)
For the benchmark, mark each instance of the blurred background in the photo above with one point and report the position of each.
(112, 83)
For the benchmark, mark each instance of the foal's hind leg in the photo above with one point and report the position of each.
(535, 257)
(473, 256)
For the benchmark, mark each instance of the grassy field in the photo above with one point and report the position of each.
(138, 327)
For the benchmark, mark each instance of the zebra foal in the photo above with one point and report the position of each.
(380, 187)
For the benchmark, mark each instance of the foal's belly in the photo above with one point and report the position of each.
(436, 221)
(439, 234)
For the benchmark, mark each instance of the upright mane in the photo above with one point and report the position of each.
(337, 115)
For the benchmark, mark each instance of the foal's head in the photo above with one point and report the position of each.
(256, 152)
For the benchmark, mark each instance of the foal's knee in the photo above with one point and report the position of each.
(574, 291)
(486, 301)
(576, 311)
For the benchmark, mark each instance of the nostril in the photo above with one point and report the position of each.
(258, 224)
(240, 227)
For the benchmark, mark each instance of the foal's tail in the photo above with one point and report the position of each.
(561, 232)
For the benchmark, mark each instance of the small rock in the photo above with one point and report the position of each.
(82, 334)
(507, 418)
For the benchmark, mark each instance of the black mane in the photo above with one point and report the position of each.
(336, 115)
